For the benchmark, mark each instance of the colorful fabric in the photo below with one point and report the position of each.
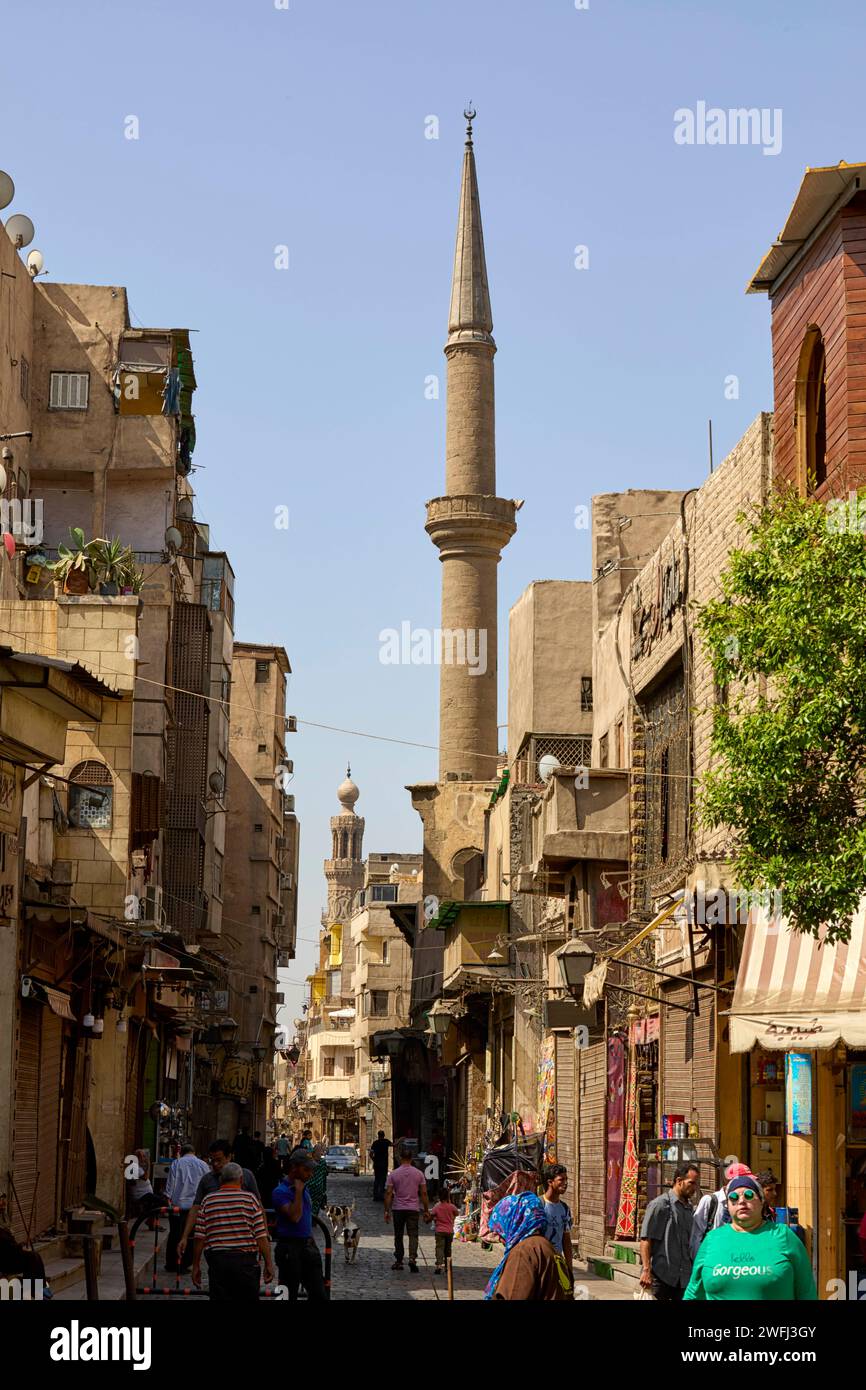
(615, 1127)
(547, 1097)
(514, 1219)
(626, 1219)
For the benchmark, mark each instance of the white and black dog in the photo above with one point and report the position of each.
(351, 1234)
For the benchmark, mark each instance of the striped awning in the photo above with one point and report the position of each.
(795, 991)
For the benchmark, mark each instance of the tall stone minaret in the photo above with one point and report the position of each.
(344, 871)
(470, 525)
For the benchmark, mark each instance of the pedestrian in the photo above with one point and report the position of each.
(665, 1237)
(139, 1188)
(712, 1209)
(219, 1154)
(751, 1257)
(306, 1140)
(444, 1214)
(528, 1271)
(406, 1192)
(232, 1233)
(558, 1213)
(243, 1149)
(298, 1258)
(319, 1181)
(284, 1147)
(257, 1151)
(379, 1154)
(181, 1185)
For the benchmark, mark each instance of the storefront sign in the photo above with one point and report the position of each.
(798, 1093)
(10, 797)
(236, 1078)
(857, 1103)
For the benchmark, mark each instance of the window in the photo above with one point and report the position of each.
(258, 827)
(24, 379)
(349, 1066)
(619, 742)
(263, 748)
(586, 694)
(603, 745)
(69, 391)
(386, 951)
(327, 1066)
(218, 875)
(375, 1003)
(263, 672)
(334, 983)
(811, 411)
(256, 910)
(91, 793)
(384, 893)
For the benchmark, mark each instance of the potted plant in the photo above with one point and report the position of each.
(115, 569)
(73, 567)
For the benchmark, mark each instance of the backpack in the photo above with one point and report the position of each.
(711, 1216)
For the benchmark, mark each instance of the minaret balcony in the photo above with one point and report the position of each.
(467, 519)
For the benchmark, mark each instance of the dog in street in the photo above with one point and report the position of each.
(351, 1235)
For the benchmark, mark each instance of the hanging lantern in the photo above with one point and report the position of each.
(88, 1020)
(98, 1027)
(120, 1025)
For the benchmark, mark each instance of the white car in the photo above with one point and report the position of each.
(343, 1158)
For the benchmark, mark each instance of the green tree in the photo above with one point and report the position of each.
(790, 744)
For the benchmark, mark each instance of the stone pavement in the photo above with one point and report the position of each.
(371, 1277)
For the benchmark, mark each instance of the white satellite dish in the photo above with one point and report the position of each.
(35, 262)
(7, 190)
(547, 766)
(20, 230)
(217, 783)
(173, 538)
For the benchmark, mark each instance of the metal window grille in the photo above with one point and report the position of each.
(263, 672)
(586, 694)
(69, 391)
(90, 796)
(573, 750)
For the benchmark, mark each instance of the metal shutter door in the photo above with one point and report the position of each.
(689, 1081)
(25, 1123)
(564, 1092)
(593, 1147)
(49, 1120)
(75, 1119)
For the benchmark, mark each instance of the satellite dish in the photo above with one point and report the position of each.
(173, 538)
(183, 510)
(217, 783)
(20, 230)
(547, 766)
(35, 262)
(7, 190)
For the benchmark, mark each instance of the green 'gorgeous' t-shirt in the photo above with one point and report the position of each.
(769, 1265)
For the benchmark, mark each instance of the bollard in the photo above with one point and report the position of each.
(126, 1260)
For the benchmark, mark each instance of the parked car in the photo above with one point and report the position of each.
(343, 1158)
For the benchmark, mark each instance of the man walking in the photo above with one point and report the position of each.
(379, 1154)
(219, 1154)
(665, 1237)
(405, 1192)
(232, 1232)
(558, 1214)
(298, 1258)
(184, 1176)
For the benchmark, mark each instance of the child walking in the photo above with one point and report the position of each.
(443, 1214)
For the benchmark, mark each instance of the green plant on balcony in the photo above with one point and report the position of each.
(114, 567)
(74, 565)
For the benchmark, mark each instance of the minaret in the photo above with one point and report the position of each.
(344, 871)
(470, 525)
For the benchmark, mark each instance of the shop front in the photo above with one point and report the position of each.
(798, 1012)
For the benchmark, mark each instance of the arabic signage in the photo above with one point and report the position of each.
(10, 797)
(236, 1078)
(798, 1093)
(654, 615)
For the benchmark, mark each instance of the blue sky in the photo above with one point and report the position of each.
(262, 127)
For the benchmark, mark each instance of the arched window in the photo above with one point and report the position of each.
(811, 412)
(91, 794)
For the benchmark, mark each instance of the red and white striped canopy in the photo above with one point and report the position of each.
(794, 991)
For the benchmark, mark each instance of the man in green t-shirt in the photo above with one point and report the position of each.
(752, 1258)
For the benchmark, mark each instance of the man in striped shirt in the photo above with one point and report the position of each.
(232, 1231)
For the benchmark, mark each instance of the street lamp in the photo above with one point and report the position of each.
(440, 1020)
(575, 960)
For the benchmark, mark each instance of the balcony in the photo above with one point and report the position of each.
(373, 975)
(333, 1088)
(574, 823)
(471, 930)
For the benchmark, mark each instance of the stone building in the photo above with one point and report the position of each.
(259, 891)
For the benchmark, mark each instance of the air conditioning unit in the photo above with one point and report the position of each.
(280, 919)
(291, 724)
(280, 996)
(289, 806)
(289, 766)
(280, 842)
(283, 958)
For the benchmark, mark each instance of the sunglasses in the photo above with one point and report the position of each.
(744, 1192)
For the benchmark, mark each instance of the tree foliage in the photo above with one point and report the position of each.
(790, 741)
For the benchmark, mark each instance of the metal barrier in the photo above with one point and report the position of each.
(178, 1290)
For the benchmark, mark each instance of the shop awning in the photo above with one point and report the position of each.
(58, 1001)
(794, 991)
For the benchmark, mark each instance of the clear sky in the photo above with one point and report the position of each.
(261, 127)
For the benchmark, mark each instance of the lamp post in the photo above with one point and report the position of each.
(575, 960)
